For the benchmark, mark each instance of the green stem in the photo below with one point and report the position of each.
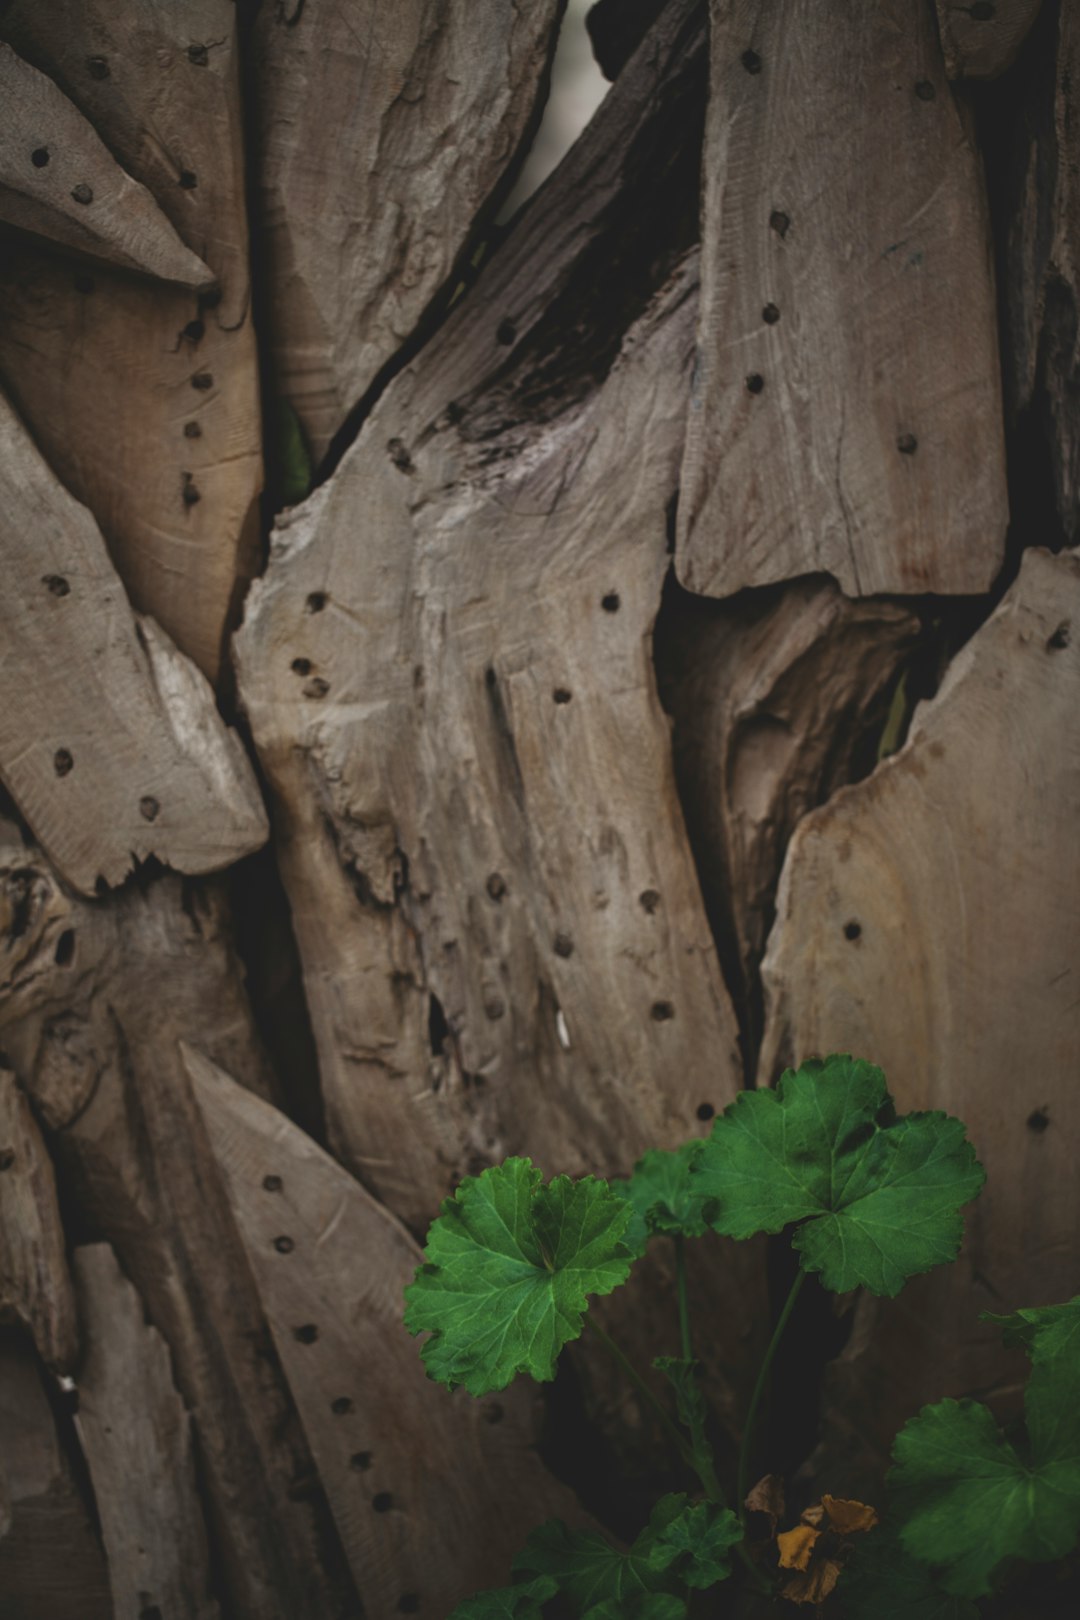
(747, 1446)
(642, 1388)
(684, 1305)
(703, 1464)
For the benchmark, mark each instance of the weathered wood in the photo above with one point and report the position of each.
(110, 742)
(35, 1288)
(927, 919)
(980, 41)
(51, 1562)
(383, 132)
(96, 999)
(60, 181)
(451, 643)
(770, 694)
(376, 1425)
(846, 411)
(1042, 248)
(144, 400)
(136, 1435)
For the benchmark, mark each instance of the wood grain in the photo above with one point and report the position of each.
(927, 919)
(136, 1436)
(35, 1288)
(411, 1472)
(383, 132)
(120, 753)
(980, 41)
(59, 180)
(144, 400)
(846, 410)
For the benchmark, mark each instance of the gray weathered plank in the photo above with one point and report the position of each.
(136, 1436)
(846, 412)
(121, 753)
(927, 920)
(35, 1287)
(59, 180)
(383, 131)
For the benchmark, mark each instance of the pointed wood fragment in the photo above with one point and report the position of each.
(120, 752)
(981, 40)
(59, 180)
(846, 411)
(35, 1287)
(383, 133)
(136, 1436)
(927, 920)
(144, 400)
(410, 1471)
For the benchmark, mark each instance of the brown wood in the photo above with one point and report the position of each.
(981, 41)
(383, 131)
(119, 753)
(35, 1288)
(927, 920)
(58, 180)
(146, 401)
(375, 1423)
(846, 410)
(136, 1436)
(51, 1562)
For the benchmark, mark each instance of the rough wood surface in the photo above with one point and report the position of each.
(377, 1426)
(51, 1562)
(451, 643)
(846, 411)
(110, 741)
(136, 1436)
(927, 919)
(144, 400)
(59, 180)
(35, 1288)
(95, 998)
(770, 695)
(383, 130)
(980, 41)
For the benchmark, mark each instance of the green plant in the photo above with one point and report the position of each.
(873, 1199)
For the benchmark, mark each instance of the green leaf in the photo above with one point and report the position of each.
(1048, 1332)
(646, 1606)
(662, 1196)
(522, 1602)
(879, 1197)
(968, 1499)
(689, 1400)
(883, 1582)
(293, 454)
(510, 1265)
(698, 1538)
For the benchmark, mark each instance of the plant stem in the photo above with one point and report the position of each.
(704, 1465)
(684, 1306)
(642, 1388)
(746, 1448)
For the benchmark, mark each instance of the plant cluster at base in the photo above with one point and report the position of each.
(511, 1265)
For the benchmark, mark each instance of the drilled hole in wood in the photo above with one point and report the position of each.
(284, 1245)
(438, 1027)
(705, 1111)
(301, 666)
(192, 430)
(755, 383)
(64, 954)
(1060, 638)
(649, 900)
(316, 688)
(661, 1011)
(383, 1502)
(39, 157)
(496, 885)
(907, 444)
(751, 61)
(779, 222)
(82, 193)
(189, 491)
(188, 179)
(97, 67)
(494, 1008)
(202, 380)
(564, 945)
(273, 1183)
(561, 695)
(1038, 1121)
(610, 602)
(194, 331)
(399, 455)
(770, 314)
(852, 930)
(360, 1462)
(306, 1333)
(7, 1158)
(55, 584)
(149, 808)
(316, 601)
(341, 1406)
(198, 55)
(63, 761)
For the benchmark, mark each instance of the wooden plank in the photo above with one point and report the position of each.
(771, 695)
(927, 920)
(96, 996)
(981, 40)
(433, 1467)
(383, 133)
(122, 753)
(146, 401)
(51, 1562)
(486, 972)
(136, 1435)
(59, 180)
(846, 410)
(35, 1287)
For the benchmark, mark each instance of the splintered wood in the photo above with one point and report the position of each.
(927, 919)
(35, 1288)
(981, 40)
(447, 671)
(846, 411)
(146, 400)
(110, 742)
(383, 132)
(408, 1470)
